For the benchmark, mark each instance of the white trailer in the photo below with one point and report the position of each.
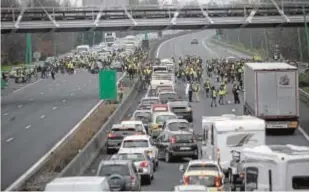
(271, 93)
(275, 168)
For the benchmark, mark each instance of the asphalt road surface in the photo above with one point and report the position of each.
(167, 176)
(36, 117)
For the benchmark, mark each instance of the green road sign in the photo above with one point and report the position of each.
(108, 84)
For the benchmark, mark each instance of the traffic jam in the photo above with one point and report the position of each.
(229, 155)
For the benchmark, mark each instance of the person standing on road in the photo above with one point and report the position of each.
(213, 96)
(190, 91)
(235, 91)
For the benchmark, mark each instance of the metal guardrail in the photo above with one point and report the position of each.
(49, 155)
(303, 96)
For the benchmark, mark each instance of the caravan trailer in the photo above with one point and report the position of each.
(233, 133)
(274, 168)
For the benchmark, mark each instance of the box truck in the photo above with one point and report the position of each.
(271, 93)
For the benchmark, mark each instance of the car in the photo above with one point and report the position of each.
(144, 142)
(176, 144)
(122, 175)
(159, 108)
(144, 116)
(164, 88)
(194, 41)
(141, 160)
(116, 135)
(203, 165)
(89, 183)
(182, 109)
(139, 126)
(158, 120)
(168, 96)
(177, 125)
(190, 188)
(146, 102)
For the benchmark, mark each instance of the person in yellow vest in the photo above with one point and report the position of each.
(225, 91)
(213, 96)
(221, 95)
(197, 91)
(207, 87)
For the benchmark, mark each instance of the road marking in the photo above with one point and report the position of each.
(22, 88)
(20, 106)
(301, 130)
(55, 108)
(5, 114)
(28, 126)
(42, 93)
(42, 116)
(9, 139)
(207, 48)
(63, 101)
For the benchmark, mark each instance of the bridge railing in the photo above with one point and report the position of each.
(145, 12)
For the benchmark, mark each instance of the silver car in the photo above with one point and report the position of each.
(141, 160)
(122, 175)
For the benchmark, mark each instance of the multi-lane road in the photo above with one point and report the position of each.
(34, 118)
(168, 175)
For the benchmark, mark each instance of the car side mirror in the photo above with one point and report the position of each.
(182, 168)
(140, 170)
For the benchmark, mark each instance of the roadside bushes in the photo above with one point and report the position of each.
(303, 80)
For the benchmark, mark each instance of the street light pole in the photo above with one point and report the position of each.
(306, 28)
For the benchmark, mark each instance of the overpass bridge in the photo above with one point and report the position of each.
(45, 19)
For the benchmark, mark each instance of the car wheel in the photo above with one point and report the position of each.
(148, 180)
(167, 157)
(109, 151)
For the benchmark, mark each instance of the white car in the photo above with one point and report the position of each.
(143, 142)
(137, 124)
(141, 160)
(185, 188)
(203, 165)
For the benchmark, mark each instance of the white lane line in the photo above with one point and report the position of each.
(207, 48)
(54, 108)
(5, 114)
(9, 139)
(42, 116)
(28, 126)
(42, 93)
(22, 88)
(301, 130)
(20, 106)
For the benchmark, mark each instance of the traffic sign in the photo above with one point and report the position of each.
(108, 84)
(37, 55)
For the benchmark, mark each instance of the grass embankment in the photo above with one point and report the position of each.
(9, 67)
(303, 78)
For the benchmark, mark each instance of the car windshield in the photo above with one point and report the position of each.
(163, 118)
(159, 69)
(168, 96)
(108, 170)
(150, 101)
(135, 143)
(203, 167)
(144, 117)
(184, 126)
(208, 180)
(135, 157)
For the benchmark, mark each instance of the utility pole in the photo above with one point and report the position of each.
(300, 47)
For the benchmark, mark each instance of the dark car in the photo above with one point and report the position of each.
(182, 109)
(122, 175)
(194, 41)
(116, 135)
(166, 97)
(176, 144)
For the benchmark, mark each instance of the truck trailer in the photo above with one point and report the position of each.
(271, 93)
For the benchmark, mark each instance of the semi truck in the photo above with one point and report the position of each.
(271, 93)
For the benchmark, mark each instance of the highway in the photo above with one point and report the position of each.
(35, 117)
(167, 175)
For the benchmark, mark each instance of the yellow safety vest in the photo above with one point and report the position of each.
(214, 93)
(221, 92)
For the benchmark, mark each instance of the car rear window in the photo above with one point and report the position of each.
(208, 180)
(163, 118)
(150, 101)
(135, 143)
(203, 167)
(168, 96)
(184, 138)
(300, 182)
(108, 170)
(123, 131)
(178, 126)
(135, 157)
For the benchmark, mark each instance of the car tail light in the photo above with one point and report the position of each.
(111, 135)
(186, 180)
(172, 140)
(218, 154)
(133, 179)
(242, 175)
(143, 164)
(218, 181)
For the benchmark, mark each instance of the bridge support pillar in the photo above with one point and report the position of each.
(29, 49)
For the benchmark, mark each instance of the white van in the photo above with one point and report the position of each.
(234, 133)
(275, 168)
(88, 183)
(160, 69)
(82, 48)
